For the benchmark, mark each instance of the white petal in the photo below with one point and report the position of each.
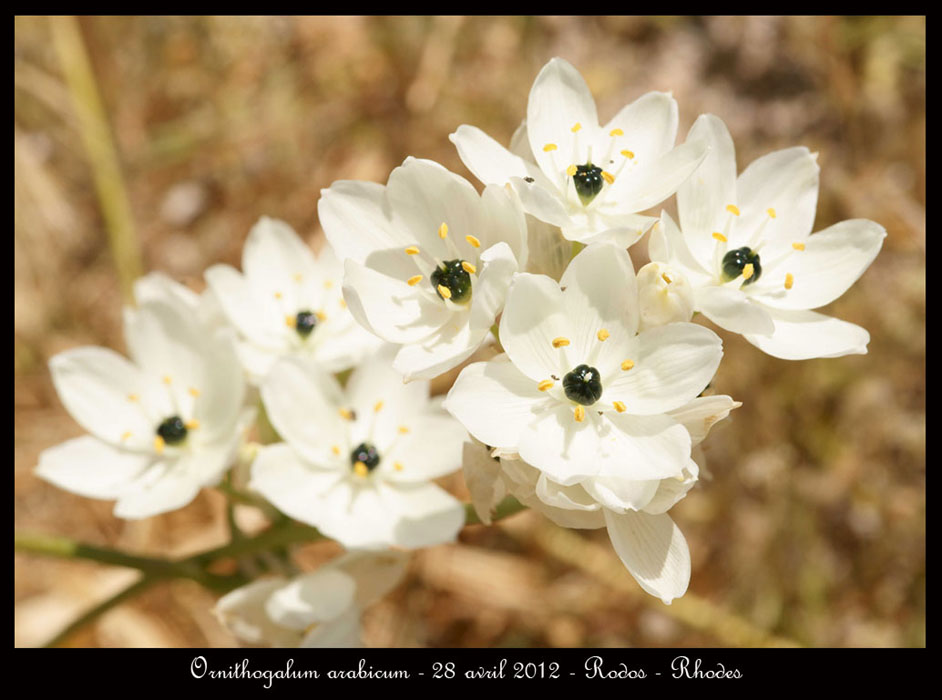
(221, 391)
(804, 335)
(506, 222)
(833, 259)
(533, 317)
(438, 354)
(702, 200)
(650, 126)
(733, 310)
(559, 99)
(494, 401)
(357, 219)
(243, 612)
(158, 286)
(91, 468)
(672, 364)
(166, 486)
(654, 551)
(318, 596)
(375, 573)
(701, 414)
(653, 183)
(255, 318)
(292, 485)
(303, 405)
(668, 244)
(490, 290)
(482, 476)
(670, 491)
(490, 162)
(542, 202)
(565, 449)
(621, 494)
(549, 251)
(432, 448)
(342, 632)
(523, 482)
(642, 447)
(273, 256)
(425, 515)
(344, 345)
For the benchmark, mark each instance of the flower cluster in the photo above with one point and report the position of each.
(591, 401)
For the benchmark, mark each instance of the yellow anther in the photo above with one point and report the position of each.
(412, 250)
(412, 281)
(291, 321)
(619, 406)
(328, 284)
(545, 385)
(297, 277)
(473, 241)
(771, 212)
(398, 466)
(748, 271)
(133, 397)
(549, 147)
(602, 334)
(403, 429)
(666, 278)
(125, 435)
(798, 246)
(468, 267)
(732, 209)
(608, 177)
(192, 424)
(277, 295)
(335, 449)
(719, 236)
(579, 414)
(168, 380)
(444, 291)
(576, 127)
(628, 154)
(789, 280)
(571, 170)
(443, 230)
(627, 364)
(560, 342)
(616, 132)
(321, 316)
(159, 444)
(343, 304)
(378, 406)
(346, 413)
(193, 392)
(360, 469)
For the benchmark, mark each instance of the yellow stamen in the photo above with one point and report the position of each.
(159, 444)
(789, 280)
(719, 236)
(360, 469)
(291, 321)
(444, 291)
(602, 334)
(666, 278)
(748, 271)
(732, 209)
(297, 277)
(619, 406)
(168, 380)
(277, 295)
(335, 449)
(798, 246)
(133, 397)
(343, 304)
(560, 342)
(378, 406)
(192, 424)
(412, 281)
(549, 147)
(328, 284)
(398, 466)
(468, 267)
(628, 154)
(571, 170)
(616, 132)
(443, 230)
(608, 177)
(579, 414)
(473, 241)
(771, 212)
(545, 385)
(627, 364)
(412, 250)
(321, 316)
(125, 435)
(576, 127)
(193, 392)
(346, 413)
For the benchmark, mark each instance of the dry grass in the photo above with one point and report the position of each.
(812, 523)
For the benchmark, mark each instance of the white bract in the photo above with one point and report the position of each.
(162, 426)
(745, 246)
(585, 178)
(579, 391)
(646, 539)
(318, 609)
(427, 260)
(287, 302)
(357, 462)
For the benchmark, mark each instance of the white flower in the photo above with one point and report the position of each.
(585, 178)
(427, 260)
(317, 609)
(156, 286)
(646, 539)
(357, 462)
(664, 296)
(162, 426)
(748, 252)
(579, 393)
(287, 302)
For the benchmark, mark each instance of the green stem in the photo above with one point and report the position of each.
(504, 509)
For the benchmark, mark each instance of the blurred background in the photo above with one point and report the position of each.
(809, 527)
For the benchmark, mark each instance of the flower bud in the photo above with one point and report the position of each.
(664, 295)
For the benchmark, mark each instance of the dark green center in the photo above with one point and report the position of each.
(588, 181)
(583, 385)
(305, 322)
(454, 278)
(172, 430)
(366, 453)
(735, 260)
